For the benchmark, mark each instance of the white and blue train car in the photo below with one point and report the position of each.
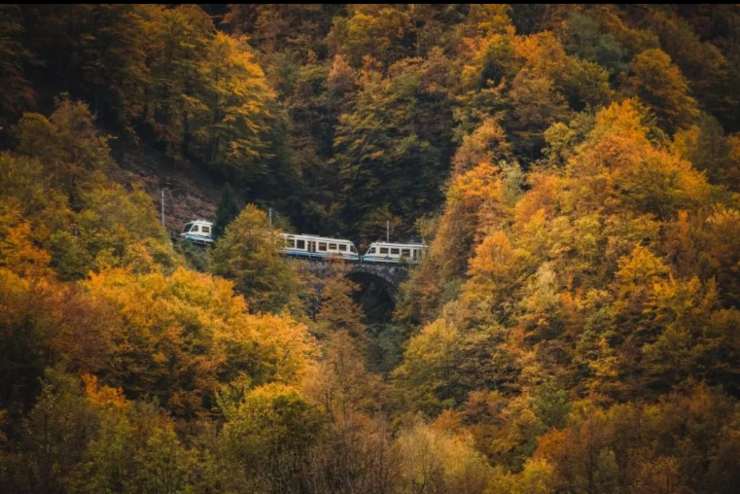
(319, 247)
(394, 252)
(199, 232)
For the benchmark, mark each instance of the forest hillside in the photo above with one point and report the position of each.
(573, 328)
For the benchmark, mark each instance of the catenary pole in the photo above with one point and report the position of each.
(162, 204)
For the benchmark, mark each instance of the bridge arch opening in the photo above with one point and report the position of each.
(377, 300)
(376, 297)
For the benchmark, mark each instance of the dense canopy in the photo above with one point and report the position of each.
(572, 329)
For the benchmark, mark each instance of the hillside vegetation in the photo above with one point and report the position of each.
(573, 328)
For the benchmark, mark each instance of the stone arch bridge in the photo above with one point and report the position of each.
(390, 275)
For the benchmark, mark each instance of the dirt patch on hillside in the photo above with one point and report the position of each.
(189, 192)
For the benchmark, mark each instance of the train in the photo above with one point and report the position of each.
(317, 247)
(198, 232)
(312, 246)
(394, 252)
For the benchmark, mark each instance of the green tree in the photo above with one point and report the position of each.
(18, 94)
(585, 37)
(55, 435)
(226, 212)
(69, 145)
(388, 150)
(248, 254)
(661, 85)
(536, 105)
(707, 147)
(176, 105)
(355, 449)
(267, 436)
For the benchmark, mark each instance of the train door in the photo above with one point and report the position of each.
(311, 246)
(414, 254)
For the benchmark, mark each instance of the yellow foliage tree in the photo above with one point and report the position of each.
(180, 337)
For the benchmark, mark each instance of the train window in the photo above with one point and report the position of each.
(384, 250)
(406, 252)
(291, 243)
(343, 247)
(395, 251)
(301, 244)
(206, 229)
(352, 249)
(194, 229)
(332, 246)
(371, 251)
(322, 246)
(187, 228)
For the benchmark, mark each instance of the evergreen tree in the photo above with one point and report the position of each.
(226, 212)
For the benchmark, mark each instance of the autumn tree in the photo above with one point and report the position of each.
(382, 32)
(267, 436)
(661, 85)
(337, 311)
(477, 201)
(571, 328)
(355, 450)
(454, 466)
(238, 98)
(598, 449)
(202, 337)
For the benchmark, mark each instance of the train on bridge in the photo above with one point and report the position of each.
(316, 247)
(312, 246)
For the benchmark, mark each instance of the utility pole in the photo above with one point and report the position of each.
(162, 203)
(387, 230)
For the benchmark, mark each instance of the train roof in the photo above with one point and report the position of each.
(316, 237)
(396, 244)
